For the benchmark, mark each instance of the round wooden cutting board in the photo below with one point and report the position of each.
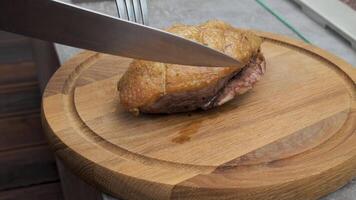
(292, 137)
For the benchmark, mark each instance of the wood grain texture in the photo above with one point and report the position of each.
(21, 132)
(18, 98)
(25, 157)
(27, 166)
(50, 191)
(17, 72)
(292, 137)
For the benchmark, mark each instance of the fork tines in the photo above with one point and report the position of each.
(133, 10)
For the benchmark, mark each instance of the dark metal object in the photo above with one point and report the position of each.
(59, 22)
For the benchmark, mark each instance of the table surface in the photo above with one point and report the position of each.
(240, 13)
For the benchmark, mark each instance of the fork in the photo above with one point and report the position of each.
(133, 10)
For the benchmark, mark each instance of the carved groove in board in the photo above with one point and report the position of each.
(337, 140)
(188, 128)
(70, 81)
(316, 56)
(90, 135)
(254, 157)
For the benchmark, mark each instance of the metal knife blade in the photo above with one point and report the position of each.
(71, 25)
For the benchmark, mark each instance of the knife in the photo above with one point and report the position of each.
(71, 25)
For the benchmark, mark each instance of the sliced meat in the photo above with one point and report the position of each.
(214, 95)
(153, 87)
(243, 81)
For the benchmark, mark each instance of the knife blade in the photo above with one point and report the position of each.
(71, 25)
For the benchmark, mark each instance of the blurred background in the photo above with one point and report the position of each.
(27, 166)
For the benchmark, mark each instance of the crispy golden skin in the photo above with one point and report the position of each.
(145, 82)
